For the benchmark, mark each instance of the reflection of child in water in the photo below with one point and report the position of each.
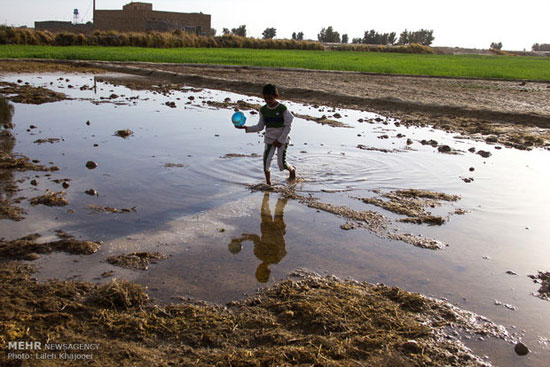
(270, 248)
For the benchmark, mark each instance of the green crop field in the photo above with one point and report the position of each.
(504, 67)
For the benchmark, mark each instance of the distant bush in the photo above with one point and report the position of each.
(413, 48)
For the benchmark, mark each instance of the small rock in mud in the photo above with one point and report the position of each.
(136, 260)
(91, 192)
(171, 104)
(124, 133)
(108, 274)
(91, 165)
(484, 153)
(50, 198)
(468, 179)
(409, 141)
(113, 96)
(65, 184)
(510, 272)
(348, 226)
(88, 123)
(472, 169)
(34, 183)
(521, 349)
(472, 150)
(31, 256)
(431, 142)
(444, 149)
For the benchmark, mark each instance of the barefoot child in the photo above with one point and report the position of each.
(277, 120)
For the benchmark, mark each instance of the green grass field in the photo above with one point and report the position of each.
(505, 67)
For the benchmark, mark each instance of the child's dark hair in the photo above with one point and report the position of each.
(270, 90)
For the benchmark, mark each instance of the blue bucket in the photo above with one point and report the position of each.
(238, 119)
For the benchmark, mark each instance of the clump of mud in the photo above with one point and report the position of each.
(412, 203)
(50, 198)
(240, 155)
(307, 321)
(29, 247)
(107, 209)
(136, 260)
(323, 120)
(544, 280)
(124, 133)
(29, 95)
(119, 295)
(20, 163)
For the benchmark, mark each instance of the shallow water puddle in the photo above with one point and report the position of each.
(179, 184)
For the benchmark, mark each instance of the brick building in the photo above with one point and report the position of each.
(135, 17)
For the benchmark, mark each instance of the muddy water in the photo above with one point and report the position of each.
(192, 203)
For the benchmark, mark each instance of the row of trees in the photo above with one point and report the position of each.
(423, 37)
(541, 47)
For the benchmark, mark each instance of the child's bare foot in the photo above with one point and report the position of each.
(292, 176)
(268, 178)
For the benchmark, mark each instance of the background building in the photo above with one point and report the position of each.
(135, 17)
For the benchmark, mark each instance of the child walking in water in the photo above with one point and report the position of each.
(277, 120)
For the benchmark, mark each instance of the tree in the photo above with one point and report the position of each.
(269, 33)
(240, 31)
(357, 40)
(226, 31)
(496, 46)
(404, 38)
(345, 38)
(213, 32)
(424, 37)
(328, 35)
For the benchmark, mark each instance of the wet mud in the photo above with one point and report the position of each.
(412, 203)
(30, 247)
(371, 220)
(50, 198)
(307, 320)
(30, 95)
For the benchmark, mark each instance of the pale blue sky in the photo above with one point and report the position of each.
(466, 23)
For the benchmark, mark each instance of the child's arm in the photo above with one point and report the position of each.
(286, 127)
(258, 127)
